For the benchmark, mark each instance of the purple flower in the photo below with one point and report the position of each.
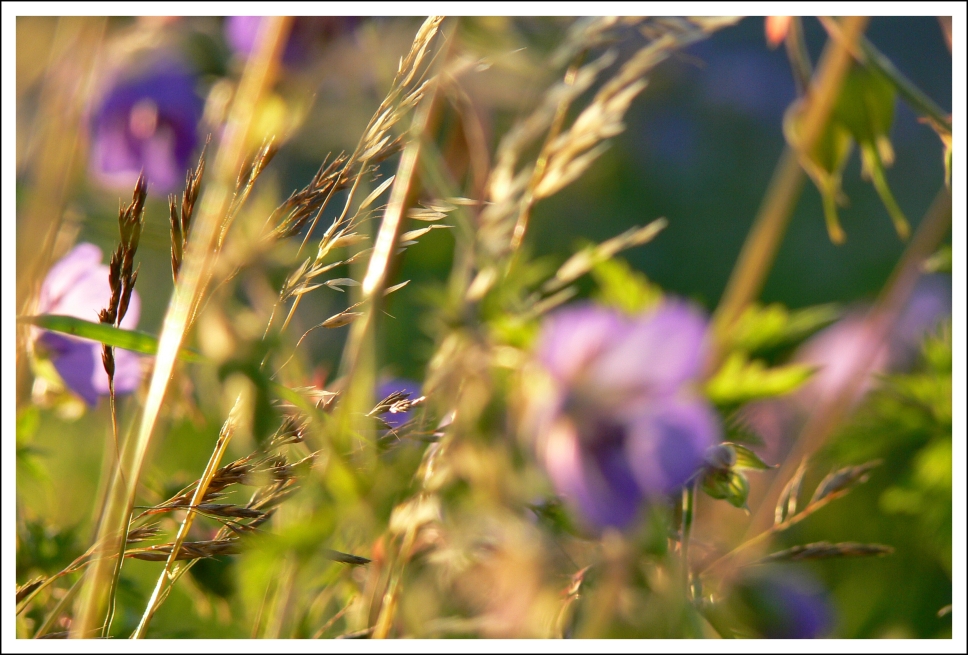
(398, 418)
(78, 286)
(787, 606)
(147, 121)
(241, 33)
(836, 351)
(615, 419)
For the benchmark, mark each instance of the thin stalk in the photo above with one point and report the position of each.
(332, 228)
(199, 259)
(756, 258)
(381, 629)
(521, 226)
(167, 575)
(106, 628)
(835, 405)
(688, 507)
(376, 272)
(799, 58)
(58, 609)
(917, 99)
(772, 530)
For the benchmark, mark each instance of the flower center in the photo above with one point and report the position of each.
(143, 120)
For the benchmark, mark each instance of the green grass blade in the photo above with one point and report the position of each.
(139, 342)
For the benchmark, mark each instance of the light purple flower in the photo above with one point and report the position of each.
(241, 33)
(787, 606)
(78, 286)
(413, 389)
(616, 421)
(147, 121)
(836, 351)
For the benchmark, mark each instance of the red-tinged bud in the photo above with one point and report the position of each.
(777, 28)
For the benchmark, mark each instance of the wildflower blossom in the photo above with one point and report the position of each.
(147, 121)
(615, 419)
(836, 352)
(78, 286)
(241, 33)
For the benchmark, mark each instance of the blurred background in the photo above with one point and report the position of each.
(700, 147)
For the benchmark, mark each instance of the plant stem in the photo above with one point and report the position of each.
(521, 226)
(688, 506)
(759, 250)
(167, 575)
(835, 405)
(199, 259)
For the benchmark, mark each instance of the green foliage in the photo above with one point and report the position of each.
(623, 288)
(766, 327)
(907, 424)
(45, 548)
(747, 459)
(824, 164)
(28, 420)
(741, 380)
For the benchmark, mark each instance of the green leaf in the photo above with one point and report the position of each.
(747, 459)
(139, 342)
(939, 262)
(866, 104)
(762, 327)
(824, 163)
(740, 380)
(728, 485)
(623, 288)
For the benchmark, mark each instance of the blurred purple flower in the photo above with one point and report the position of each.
(787, 606)
(78, 286)
(617, 422)
(241, 33)
(147, 120)
(396, 419)
(835, 352)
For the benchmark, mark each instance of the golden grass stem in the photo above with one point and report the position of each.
(759, 251)
(521, 226)
(167, 575)
(199, 259)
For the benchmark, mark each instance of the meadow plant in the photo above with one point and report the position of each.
(557, 446)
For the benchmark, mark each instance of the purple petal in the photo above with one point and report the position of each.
(63, 276)
(666, 444)
(147, 121)
(599, 483)
(241, 32)
(790, 606)
(572, 337)
(78, 286)
(662, 350)
(79, 365)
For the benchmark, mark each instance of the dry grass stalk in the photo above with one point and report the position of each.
(512, 188)
(193, 278)
(181, 223)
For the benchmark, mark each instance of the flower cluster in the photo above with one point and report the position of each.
(616, 420)
(78, 286)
